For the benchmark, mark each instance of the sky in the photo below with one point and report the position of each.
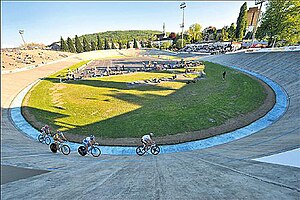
(46, 22)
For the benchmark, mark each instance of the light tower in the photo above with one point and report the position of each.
(258, 18)
(182, 6)
(21, 33)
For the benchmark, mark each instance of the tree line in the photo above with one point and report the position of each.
(280, 23)
(107, 40)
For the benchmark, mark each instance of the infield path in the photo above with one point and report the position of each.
(222, 172)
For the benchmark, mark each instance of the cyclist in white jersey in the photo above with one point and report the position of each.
(89, 141)
(147, 140)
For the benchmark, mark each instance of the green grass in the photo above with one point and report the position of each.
(107, 107)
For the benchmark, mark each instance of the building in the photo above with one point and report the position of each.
(162, 38)
(162, 35)
(252, 16)
(55, 46)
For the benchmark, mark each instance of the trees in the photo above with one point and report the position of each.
(113, 46)
(241, 23)
(143, 45)
(231, 32)
(179, 43)
(99, 43)
(149, 44)
(166, 45)
(281, 22)
(106, 45)
(195, 32)
(93, 46)
(248, 36)
(120, 45)
(86, 45)
(128, 45)
(224, 34)
(70, 44)
(78, 45)
(135, 45)
(63, 45)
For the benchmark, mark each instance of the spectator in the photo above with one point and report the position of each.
(224, 75)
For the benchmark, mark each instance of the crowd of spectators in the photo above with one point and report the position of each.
(86, 71)
(211, 48)
(12, 58)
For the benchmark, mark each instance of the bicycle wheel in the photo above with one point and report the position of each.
(41, 138)
(140, 150)
(155, 150)
(82, 151)
(53, 147)
(47, 140)
(95, 151)
(65, 149)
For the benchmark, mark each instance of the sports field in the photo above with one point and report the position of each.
(109, 107)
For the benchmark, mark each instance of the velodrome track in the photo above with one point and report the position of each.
(222, 172)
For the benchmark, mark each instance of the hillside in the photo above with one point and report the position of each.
(122, 36)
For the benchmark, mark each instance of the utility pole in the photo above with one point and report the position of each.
(257, 20)
(182, 6)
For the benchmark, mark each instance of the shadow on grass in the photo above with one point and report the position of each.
(38, 117)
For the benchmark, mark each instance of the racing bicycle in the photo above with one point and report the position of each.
(154, 149)
(44, 138)
(58, 146)
(95, 151)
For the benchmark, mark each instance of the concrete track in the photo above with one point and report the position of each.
(222, 172)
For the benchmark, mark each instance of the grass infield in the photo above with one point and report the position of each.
(108, 108)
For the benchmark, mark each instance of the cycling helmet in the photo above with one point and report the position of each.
(92, 137)
(151, 134)
(46, 126)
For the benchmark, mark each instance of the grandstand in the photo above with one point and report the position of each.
(16, 58)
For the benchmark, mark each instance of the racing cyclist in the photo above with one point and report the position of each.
(88, 142)
(59, 137)
(147, 140)
(45, 130)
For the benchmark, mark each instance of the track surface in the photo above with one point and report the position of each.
(222, 172)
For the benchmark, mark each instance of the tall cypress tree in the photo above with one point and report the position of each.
(93, 46)
(135, 45)
(106, 45)
(99, 43)
(70, 45)
(128, 45)
(78, 45)
(241, 23)
(149, 45)
(86, 45)
(113, 46)
(231, 31)
(63, 45)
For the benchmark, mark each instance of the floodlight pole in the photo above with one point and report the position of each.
(21, 33)
(182, 6)
(257, 20)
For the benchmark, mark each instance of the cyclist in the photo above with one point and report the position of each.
(59, 137)
(147, 140)
(45, 130)
(89, 141)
